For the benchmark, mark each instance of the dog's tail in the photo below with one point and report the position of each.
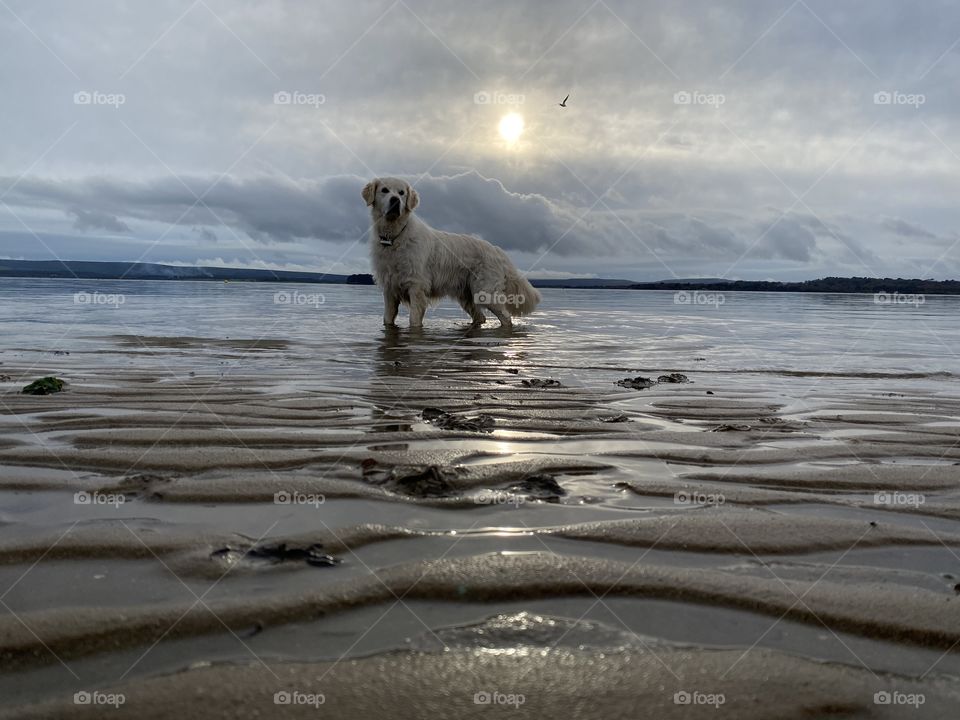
(522, 297)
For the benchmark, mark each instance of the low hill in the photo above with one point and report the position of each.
(823, 285)
(153, 271)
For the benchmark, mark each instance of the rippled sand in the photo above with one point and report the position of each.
(199, 523)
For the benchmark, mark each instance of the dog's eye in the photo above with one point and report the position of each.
(385, 190)
(401, 192)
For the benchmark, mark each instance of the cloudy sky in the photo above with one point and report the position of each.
(755, 139)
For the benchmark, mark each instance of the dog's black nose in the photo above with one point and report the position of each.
(394, 202)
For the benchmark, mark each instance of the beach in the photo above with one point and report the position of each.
(747, 507)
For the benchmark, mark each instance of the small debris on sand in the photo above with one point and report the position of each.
(773, 421)
(255, 629)
(539, 487)
(281, 552)
(613, 419)
(726, 427)
(448, 421)
(540, 383)
(140, 484)
(44, 386)
(642, 383)
(637, 383)
(429, 482)
(422, 482)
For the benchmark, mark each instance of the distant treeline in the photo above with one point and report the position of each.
(359, 279)
(824, 285)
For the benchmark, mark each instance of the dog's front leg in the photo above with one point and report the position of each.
(391, 305)
(418, 306)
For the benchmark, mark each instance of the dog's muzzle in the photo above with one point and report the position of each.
(393, 209)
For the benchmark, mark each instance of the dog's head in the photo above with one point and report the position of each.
(390, 198)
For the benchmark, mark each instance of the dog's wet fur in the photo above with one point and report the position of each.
(417, 265)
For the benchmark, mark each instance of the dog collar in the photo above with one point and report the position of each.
(387, 242)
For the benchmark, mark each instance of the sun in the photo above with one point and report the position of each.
(511, 127)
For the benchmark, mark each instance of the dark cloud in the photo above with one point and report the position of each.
(271, 210)
(93, 220)
(789, 238)
(906, 229)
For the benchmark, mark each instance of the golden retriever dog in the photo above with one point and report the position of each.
(416, 265)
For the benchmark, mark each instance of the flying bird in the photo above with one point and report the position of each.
(564, 103)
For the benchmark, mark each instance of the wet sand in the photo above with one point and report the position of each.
(198, 535)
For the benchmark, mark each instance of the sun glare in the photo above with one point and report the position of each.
(511, 127)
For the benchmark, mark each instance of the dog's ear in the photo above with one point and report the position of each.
(369, 191)
(413, 199)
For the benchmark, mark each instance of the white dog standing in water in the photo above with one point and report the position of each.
(417, 265)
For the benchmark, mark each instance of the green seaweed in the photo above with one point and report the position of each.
(44, 386)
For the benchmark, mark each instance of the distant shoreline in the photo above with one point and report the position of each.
(92, 270)
(854, 285)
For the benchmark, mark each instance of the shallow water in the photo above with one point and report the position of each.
(197, 402)
(763, 332)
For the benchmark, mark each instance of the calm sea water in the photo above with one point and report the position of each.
(574, 330)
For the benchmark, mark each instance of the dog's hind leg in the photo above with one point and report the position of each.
(478, 317)
(475, 313)
(503, 315)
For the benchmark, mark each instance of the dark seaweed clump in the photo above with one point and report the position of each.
(540, 383)
(44, 386)
(637, 383)
(276, 553)
(448, 421)
(539, 487)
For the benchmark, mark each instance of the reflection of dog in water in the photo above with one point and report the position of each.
(417, 265)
